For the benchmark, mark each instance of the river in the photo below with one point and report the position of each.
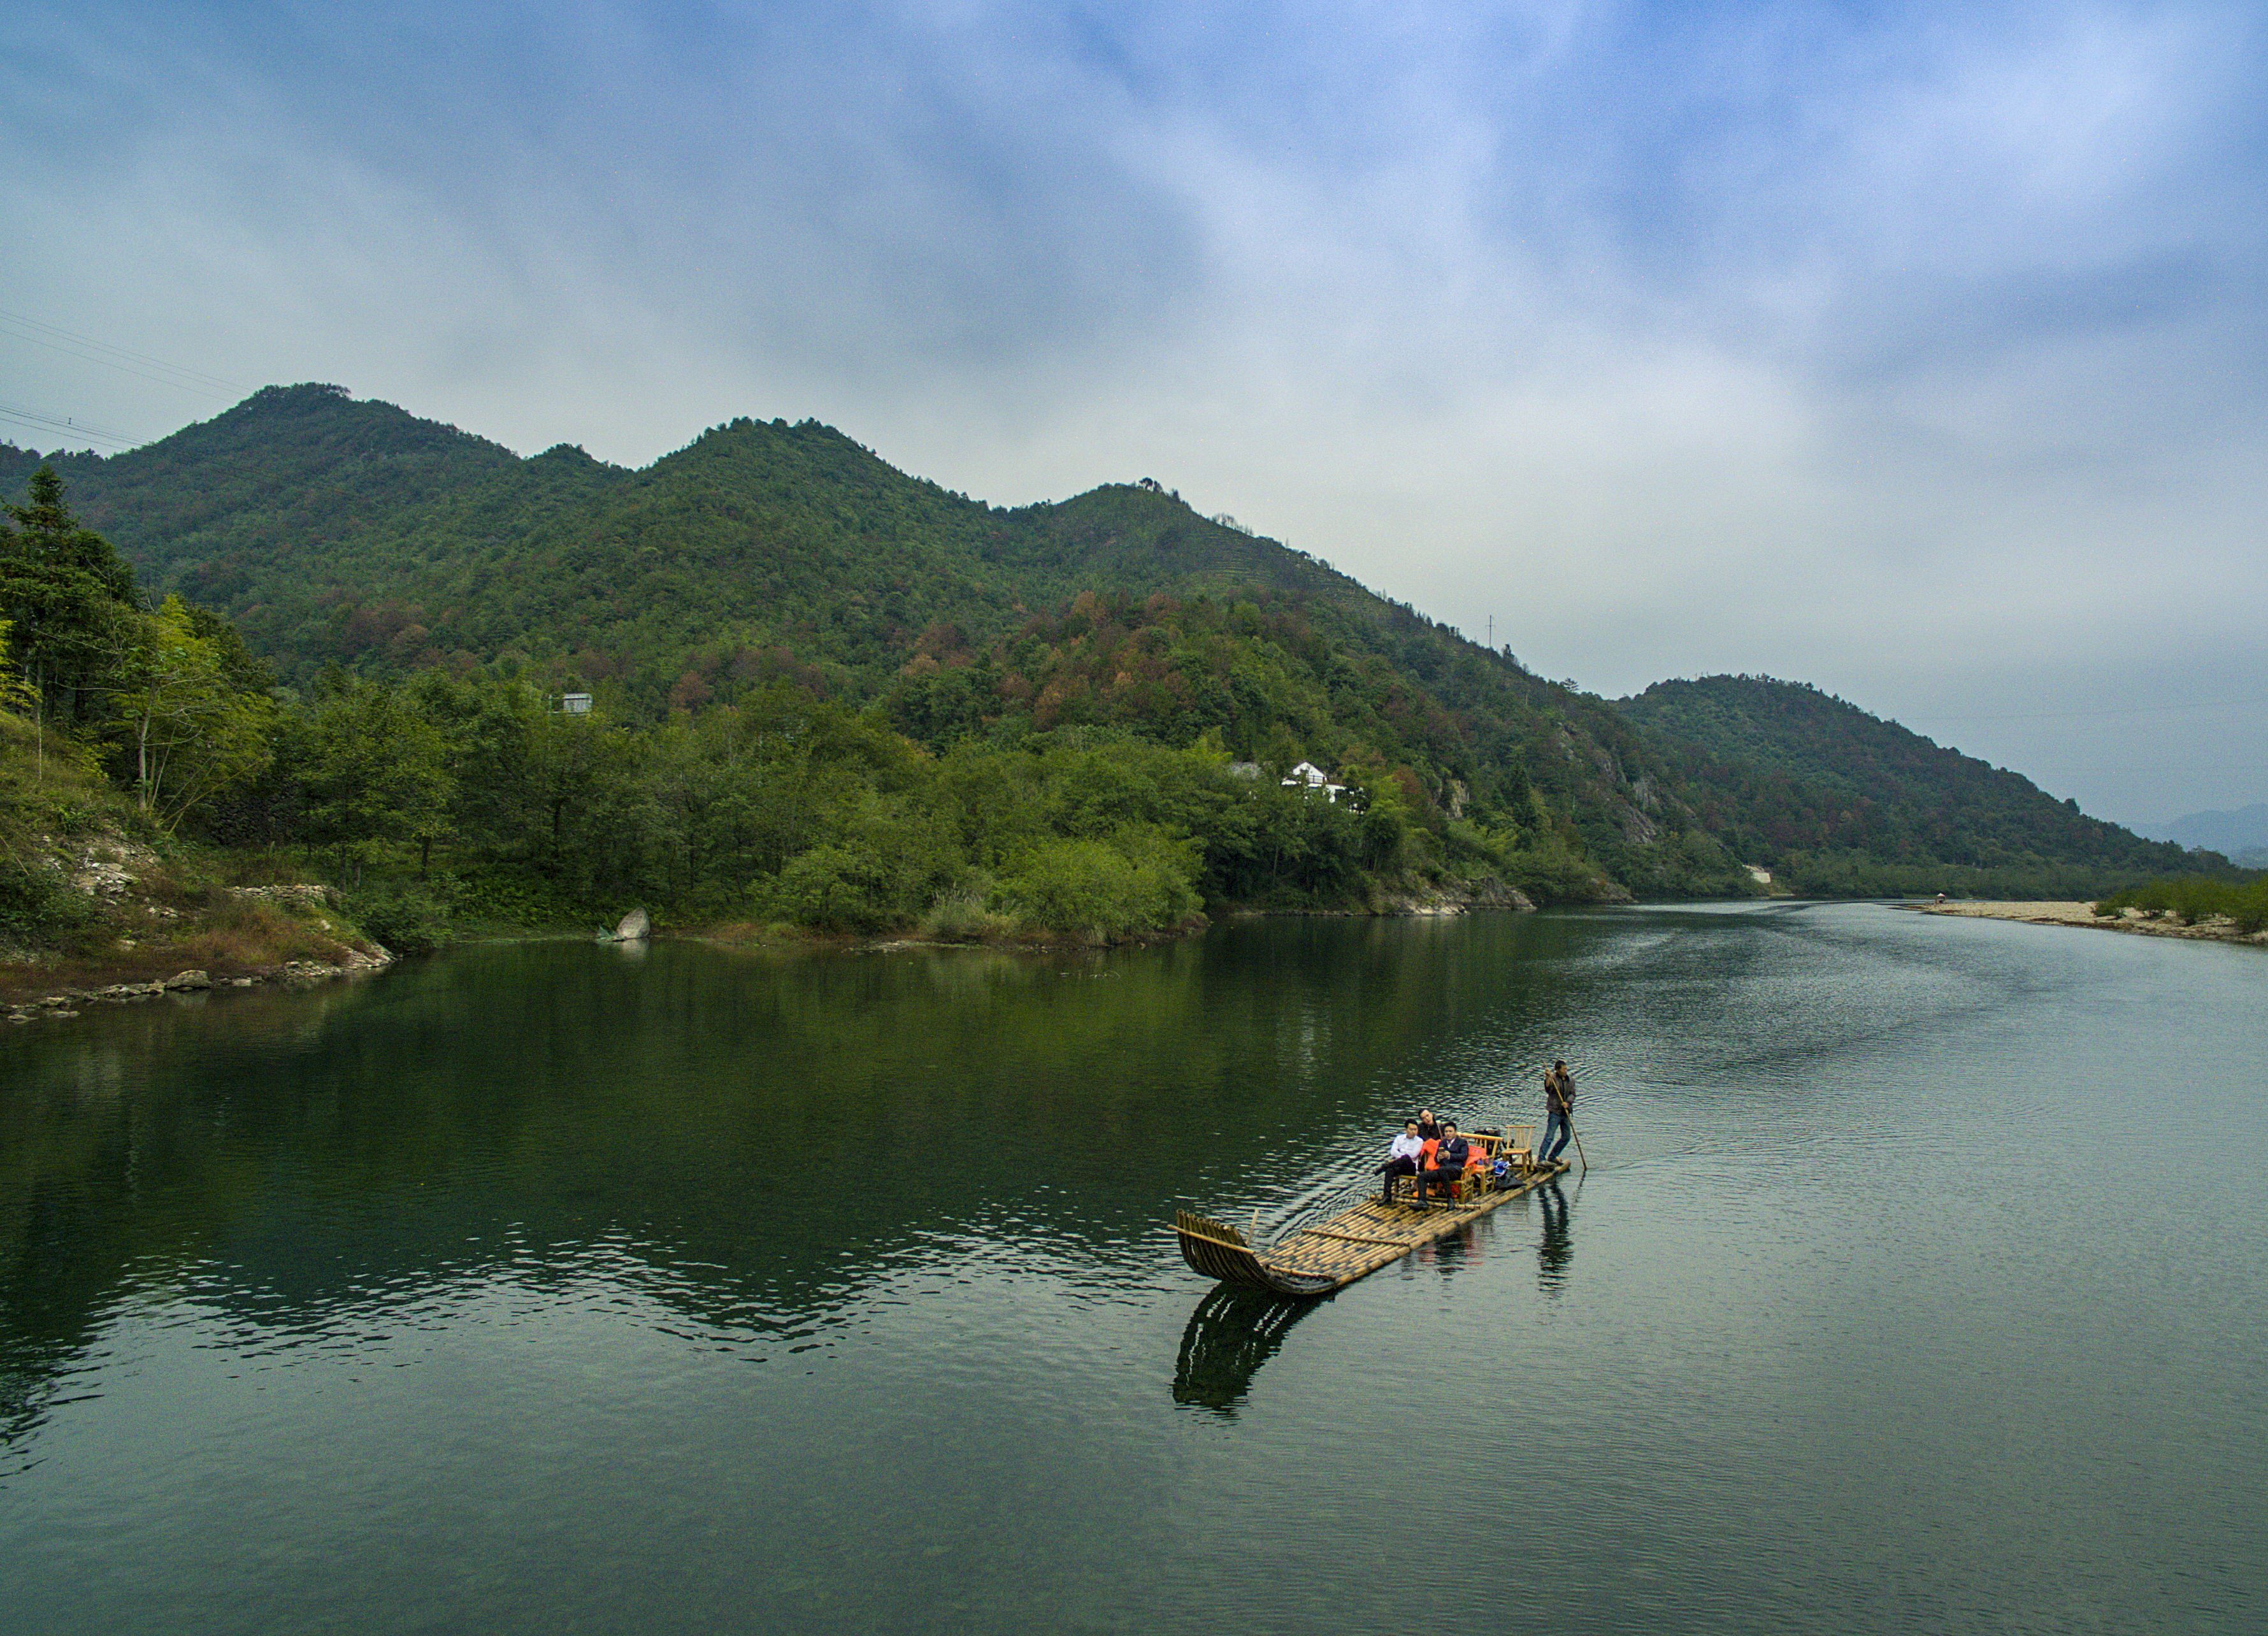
(1914, 1283)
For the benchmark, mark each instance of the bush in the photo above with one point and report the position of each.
(962, 918)
(36, 902)
(2194, 898)
(1095, 890)
(404, 917)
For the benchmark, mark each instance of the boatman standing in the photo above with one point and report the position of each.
(1560, 1101)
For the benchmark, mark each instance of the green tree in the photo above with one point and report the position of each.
(190, 727)
(373, 769)
(68, 599)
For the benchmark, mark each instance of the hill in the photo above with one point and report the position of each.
(1841, 803)
(334, 532)
(2240, 833)
(350, 541)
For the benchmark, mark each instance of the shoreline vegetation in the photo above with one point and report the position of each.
(1110, 721)
(2141, 922)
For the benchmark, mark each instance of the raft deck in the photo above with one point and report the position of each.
(1331, 1255)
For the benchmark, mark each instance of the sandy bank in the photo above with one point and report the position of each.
(2214, 929)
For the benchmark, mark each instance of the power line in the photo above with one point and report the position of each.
(178, 376)
(72, 428)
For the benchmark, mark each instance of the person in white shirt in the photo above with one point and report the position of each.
(1402, 1157)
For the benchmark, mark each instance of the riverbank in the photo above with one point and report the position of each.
(2209, 929)
(144, 927)
(63, 1001)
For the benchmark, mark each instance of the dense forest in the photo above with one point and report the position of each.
(769, 678)
(1849, 805)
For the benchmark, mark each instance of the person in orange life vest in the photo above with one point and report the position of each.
(1447, 1165)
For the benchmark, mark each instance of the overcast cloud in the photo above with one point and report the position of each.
(1921, 353)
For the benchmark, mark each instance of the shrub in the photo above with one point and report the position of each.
(1095, 890)
(36, 901)
(962, 918)
(242, 933)
(405, 918)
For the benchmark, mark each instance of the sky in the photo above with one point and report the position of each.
(1918, 353)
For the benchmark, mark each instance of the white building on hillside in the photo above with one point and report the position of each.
(1314, 778)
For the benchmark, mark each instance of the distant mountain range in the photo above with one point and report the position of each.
(2243, 835)
(2231, 832)
(339, 532)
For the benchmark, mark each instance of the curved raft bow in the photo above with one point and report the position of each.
(1333, 1254)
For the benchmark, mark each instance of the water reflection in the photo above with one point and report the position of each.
(1230, 1335)
(1555, 1249)
(501, 1283)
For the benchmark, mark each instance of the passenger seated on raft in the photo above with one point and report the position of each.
(1402, 1158)
(1449, 1164)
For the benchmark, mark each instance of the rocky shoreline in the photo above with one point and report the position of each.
(2214, 929)
(69, 1002)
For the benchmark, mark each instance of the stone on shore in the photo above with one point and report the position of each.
(635, 928)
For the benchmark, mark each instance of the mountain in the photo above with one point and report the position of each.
(338, 532)
(342, 533)
(1846, 802)
(2242, 831)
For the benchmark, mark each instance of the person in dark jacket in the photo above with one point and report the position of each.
(1560, 1103)
(1448, 1164)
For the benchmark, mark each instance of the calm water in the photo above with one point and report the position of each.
(1915, 1285)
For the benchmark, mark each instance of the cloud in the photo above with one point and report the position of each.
(1884, 349)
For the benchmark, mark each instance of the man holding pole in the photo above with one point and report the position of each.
(1559, 1101)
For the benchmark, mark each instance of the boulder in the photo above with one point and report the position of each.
(189, 980)
(635, 927)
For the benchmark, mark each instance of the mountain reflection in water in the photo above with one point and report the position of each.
(543, 1287)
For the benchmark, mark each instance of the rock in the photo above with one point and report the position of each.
(189, 980)
(305, 895)
(635, 928)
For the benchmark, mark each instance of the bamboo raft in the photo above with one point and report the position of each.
(1356, 1242)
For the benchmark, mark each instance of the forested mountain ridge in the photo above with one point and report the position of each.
(354, 545)
(1847, 802)
(338, 532)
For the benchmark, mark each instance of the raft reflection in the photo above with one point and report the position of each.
(1230, 1335)
(1557, 1248)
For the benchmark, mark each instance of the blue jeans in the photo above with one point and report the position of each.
(1556, 1131)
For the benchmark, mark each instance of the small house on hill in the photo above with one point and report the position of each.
(1307, 775)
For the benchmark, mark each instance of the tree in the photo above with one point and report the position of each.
(373, 769)
(191, 729)
(68, 597)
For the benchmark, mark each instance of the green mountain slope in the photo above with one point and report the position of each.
(340, 532)
(1843, 801)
